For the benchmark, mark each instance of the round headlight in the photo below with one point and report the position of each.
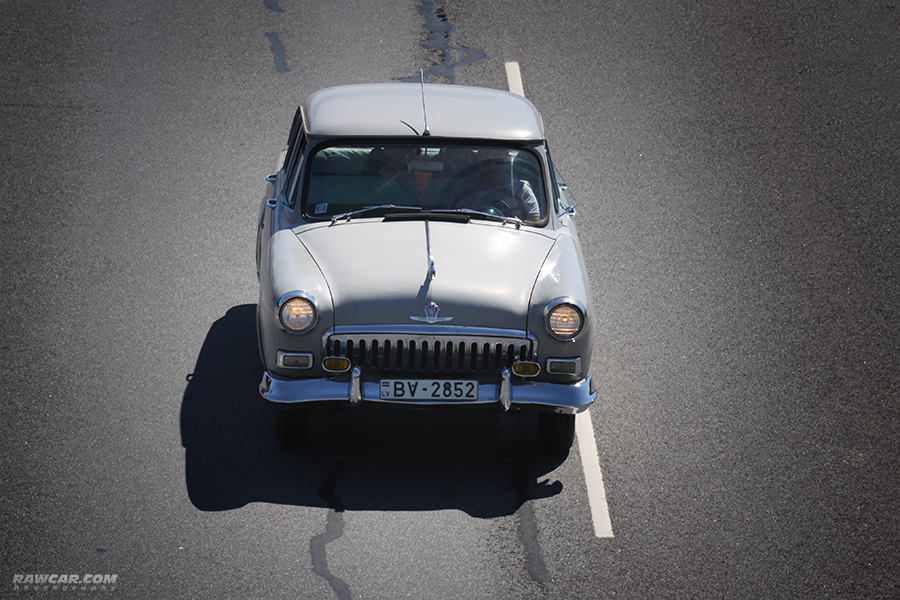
(297, 314)
(564, 321)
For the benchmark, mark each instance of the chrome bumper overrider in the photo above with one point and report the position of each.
(562, 398)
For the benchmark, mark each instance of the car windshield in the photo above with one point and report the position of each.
(494, 180)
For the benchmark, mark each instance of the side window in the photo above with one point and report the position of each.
(296, 129)
(292, 171)
(295, 146)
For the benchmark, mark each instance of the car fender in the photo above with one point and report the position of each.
(291, 268)
(563, 275)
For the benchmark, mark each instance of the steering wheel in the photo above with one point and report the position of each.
(503, 207)
(506, 205)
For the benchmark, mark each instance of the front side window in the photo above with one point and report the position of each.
(495, 180)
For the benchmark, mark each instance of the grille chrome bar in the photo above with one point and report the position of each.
(430, 354)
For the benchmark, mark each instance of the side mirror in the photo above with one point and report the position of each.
(570, 211)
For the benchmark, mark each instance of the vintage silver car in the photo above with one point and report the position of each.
(416, 246)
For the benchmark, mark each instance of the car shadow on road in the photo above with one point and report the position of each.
(484, 463)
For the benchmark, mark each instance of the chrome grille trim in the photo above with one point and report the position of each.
(430, 353)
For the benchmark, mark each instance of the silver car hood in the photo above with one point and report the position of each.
(378, 271)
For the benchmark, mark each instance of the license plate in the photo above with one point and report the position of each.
(429, 389)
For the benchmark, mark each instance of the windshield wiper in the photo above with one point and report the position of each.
(477, 214)
(381, 208)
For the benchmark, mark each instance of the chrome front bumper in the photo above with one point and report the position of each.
(561, 398)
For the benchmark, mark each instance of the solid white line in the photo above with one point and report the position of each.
(514, 77)
(584, 429)
(593, 478)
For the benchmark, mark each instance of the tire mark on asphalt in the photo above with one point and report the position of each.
(528, 531)
(523, 483)
(278, 53)
(439, 28)
(273, 5)
(275, 42)
(334, 529)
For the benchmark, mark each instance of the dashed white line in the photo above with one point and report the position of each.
(514, 77)
(593, 478)
(584, 429)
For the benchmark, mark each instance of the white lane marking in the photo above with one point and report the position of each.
(593, 478)
(584, 429)
(514, 77)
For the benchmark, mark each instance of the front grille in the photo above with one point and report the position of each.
(431, 354)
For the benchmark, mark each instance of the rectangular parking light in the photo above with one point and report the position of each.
(294, 360)
(565, 366)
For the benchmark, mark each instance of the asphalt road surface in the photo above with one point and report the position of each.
(736, 166)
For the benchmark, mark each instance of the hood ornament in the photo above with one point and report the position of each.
(431, 315)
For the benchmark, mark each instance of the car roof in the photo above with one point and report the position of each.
(395, 110)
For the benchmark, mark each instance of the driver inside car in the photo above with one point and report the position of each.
(492, 189)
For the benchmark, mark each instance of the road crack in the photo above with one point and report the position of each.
(334, 529)
(439, 29)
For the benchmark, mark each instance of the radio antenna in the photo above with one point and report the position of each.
(425, 133)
